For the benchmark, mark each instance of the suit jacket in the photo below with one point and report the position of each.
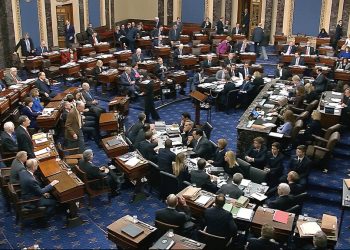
(230, 61)
(246, 20)
(88, 97)
(9, 144)
(231, 189)
(177, 52)
(247, 86)
(320, 83)
(165, 160)
(146, 148)
(136, 59)
(73, 124)
(295, 188)
(259, 157)
(274, 164)
(302, 168)
(30, 187)
(312, 50)
(219, 222)
(91, 170)
(89, 31)
(42, 87)
(131, 34)
(16, 167)
(41, 50)
(219, 27)
(25, 142)
(219, 157)
(92, 40)
(292, 50)
(23, 45)
(219, 74)
(204, 25)
(301, 61)
(124, 79)
(31, 115)
(206, 64)
(285, 74)
(97, 71)
(200, 178)
(11, 80)
(174, 35)
(172, 216)
(262, 244)
(203, 148)
(133, 131)
(160, 71)
(69, 33)
(282, 203)
(239, 47)
(258, 35)
(236, 31)
(338, 32)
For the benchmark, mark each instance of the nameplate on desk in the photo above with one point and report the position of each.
(277, 135)
(42, 151)
(203, 200)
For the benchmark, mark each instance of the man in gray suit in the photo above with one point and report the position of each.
(201, 145)
(232, 189)
(17, 166)
(257, 37)
(11, 78)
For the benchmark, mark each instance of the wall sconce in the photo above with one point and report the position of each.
(27, 1)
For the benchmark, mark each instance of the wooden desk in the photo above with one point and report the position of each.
(84, 64)
(123, 56)
(162, 51)
(108, 76)
(52, 154)
(184, 39)
(309, 60)
(264, 216)
(280, 39)
(205, 48)
(12, 95)
(70, 70)
(221, 37)
(144, 43)
(326, 50)
(102, 48)
(55, 105)
(54, 57)
(180, 243)
(287, 58)
(248, 57)
(85, 51)
(323, 41)
(122, 240)
(188, 61)
(32, 63)
(24, 91)
(2, 74)
(178, 78)
(201, 37)
(328, 119)
(109, 122)
(4, 105)
(116, 150)
(120, 104)
(300, 39)
(297, 70)
(48, 122)
(150, 66)
(328, 61)
(212, 70)
(343, 75)
(156, 86)
(105, 58)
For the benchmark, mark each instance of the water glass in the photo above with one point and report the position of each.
(170, 233)
(134, 219)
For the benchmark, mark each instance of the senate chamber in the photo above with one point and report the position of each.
(175, 124)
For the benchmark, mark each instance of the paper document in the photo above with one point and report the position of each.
(245, 213)
(310, 228)
(258, 196)
(202, 200)
(42, 151)
(245, 182)
(274, 134)
(42, 140)
(132, 162)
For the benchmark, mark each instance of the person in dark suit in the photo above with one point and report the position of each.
(94, 39)
(338, 33)
(98, 69)
(157, 33)
(320, 82)
(220, 26)
(146, 148)
(69, 33)
(274, 167)
(199, 177)
(319, 242)
(42, 49)
(27, 46)
(246, 70)
(257, 82)
(90, 102)
(174, 34)
(23, 137)
(232, 189)
(174, 214)
(137, 57)
(12, 78)
(149, 106)
(17, 166)
(92, 172)
(201, 145)
(257, 37)
(8, 139)
(246, 22)
(30, 188)
(242, 46)
(256, 154)
(206, 24)
(281, 72)
(223, 97)
(265, 242)
(43, 85)
(131, 37)
(297, 60)
(289, 49)
(284, 201)
(90, 30)
(308, 50)
(231, 59)
(293, 182)
(235, 73)
(237, 30)
(157, 23)
(223, 74)
(128, 81)
(219, 156)
(27, 111)
(161, 69)
(323, 33)
(166, 157)
(187, 132)
(135, 128)
(245, 92)
(218, 221)
(231, 165)
(314, 127)
(179, 24)
(141, 135)
(209, 62)
(178, 53)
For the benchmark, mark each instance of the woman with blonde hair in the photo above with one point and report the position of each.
(231, 165)
(289, 120)
(180, 169)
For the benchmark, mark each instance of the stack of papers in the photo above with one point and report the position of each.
(132, 162)
(42, 151)
(259, 196)
(310, 228)
(245, 182)
(203, 199)
(245, 214)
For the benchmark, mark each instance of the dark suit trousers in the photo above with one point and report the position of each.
(50, 205)
(79, 143)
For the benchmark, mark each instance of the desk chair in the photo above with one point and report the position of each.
(257, 175)
(168, 184)
(213, 241)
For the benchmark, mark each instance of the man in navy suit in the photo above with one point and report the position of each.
(146, 148)
(258, 36)
(242, 47)
(131, 37)
(297, 60)
(129, 81)
(91, 102)
(41, 49)
(246, 22)
(289, 49)
(17, 166)
(201, 145)
(256, 154)
(30, 187)
(166, 157)
(232, 189)
(218, 221)
(320, 82)
(26, 44)
(69, 33)
(43, 85)
(174, 34)
(8, 139)
(219, 156)
(284, 201)
(24, 139)
(137, 57)
(266, 241)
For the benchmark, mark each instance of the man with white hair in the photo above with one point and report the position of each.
(284, 201)
(42, 49)
(73, 132)
(91, 102)
(11, 78)
(137, 57)
(157, 22)
(30, 187)
(8, 138)
(127, 80)
(17, 166)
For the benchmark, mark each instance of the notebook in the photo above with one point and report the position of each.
(281, 217)
(132, 230)
(114, 142)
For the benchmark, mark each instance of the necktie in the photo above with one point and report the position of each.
(289, 49)
(180, 52)
(127, 76)
(246, 72)
(138, 58)
(175, 33)
(280, 73)
(89, 95)
(223, 75)
(299, 160)
(209, 63)
(308, 51)
(28, 45)
(297, 61)
(243, 47)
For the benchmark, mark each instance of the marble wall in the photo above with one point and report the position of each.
(216, 12)
(228, 10)
(81, 14)
(49, 22)
(345, 18)
(268, 16)
(334, 16)
(170, 7)
(280, 15)
(7, 34)
(161, 10)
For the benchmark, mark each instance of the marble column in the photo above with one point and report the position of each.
(334, 16)
(268, 16)
(161, 11)
(216, 11)
(48, 22)
(280, 16)
(170, 6)
(7, 34)
(112, 13)
(107, 13)
(228, 10)
(81, 14)
(345, 18)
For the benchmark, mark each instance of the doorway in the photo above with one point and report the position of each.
(63, 12)
(254, 10)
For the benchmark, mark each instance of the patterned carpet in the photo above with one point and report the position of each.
(324, 189)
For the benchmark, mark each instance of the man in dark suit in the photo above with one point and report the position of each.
(265, 242)
(231, 59)
(274, 167)
(209, 62)
(131, 37)
(218, 221)
(157, 23)
(237, 30)
(320, 82)
(199, 177)
(338, 33)
(201, 145)
(174, 34)
(24, 139)
(308, 50)
(219, 156)
(8, 139)
(178, 53)
(146, 148)
(246, 22)
(137, 57)
(229, 85)
(141, 135)
(94, 172)
(166, 157)
(235, 73)
(30, 187)
(173, 214)
(127, 80)
(73, 133)
(17, 166)
(27, 46)
(289, 49)
(91, 102)
(284, 201)
(94, 39)
(42, 49)
(133, 131)
(90, 30)
(161, 69)
(297, 60)
(246, 70)
(220, 26)
(245, 92)
(242, 47)
(43, 85)
(293, 182)
(257, 37)
(281, 72)
(232, 189)
(69, 33)
(256, 154)
(187, 132)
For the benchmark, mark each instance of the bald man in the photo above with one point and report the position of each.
(284, 201)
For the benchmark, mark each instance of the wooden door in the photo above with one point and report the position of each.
(63, 12)
(242, 5)
(255, 14)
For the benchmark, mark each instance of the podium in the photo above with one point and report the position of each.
(199, 97)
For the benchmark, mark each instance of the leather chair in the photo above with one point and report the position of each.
(163, 227)
(168, 184)
(153, 177)
(257, 175)
(245, 166)
(92, 192)
(303, 116)
(207, 128)
(327, 132)
(300, 198)
(213, 241)
(4, 181)
(67, 156)
(295, 210)
(52, 72)
(231, 99)
(309, 107)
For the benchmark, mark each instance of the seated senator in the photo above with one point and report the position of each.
(232, 189)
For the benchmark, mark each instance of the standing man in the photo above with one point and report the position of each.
(27, 46)
(131, 37)
(258, 36)
(220, 26)
(246, 21)
(338, 33)
(24, 139)
(73, 133)
(69, 33)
